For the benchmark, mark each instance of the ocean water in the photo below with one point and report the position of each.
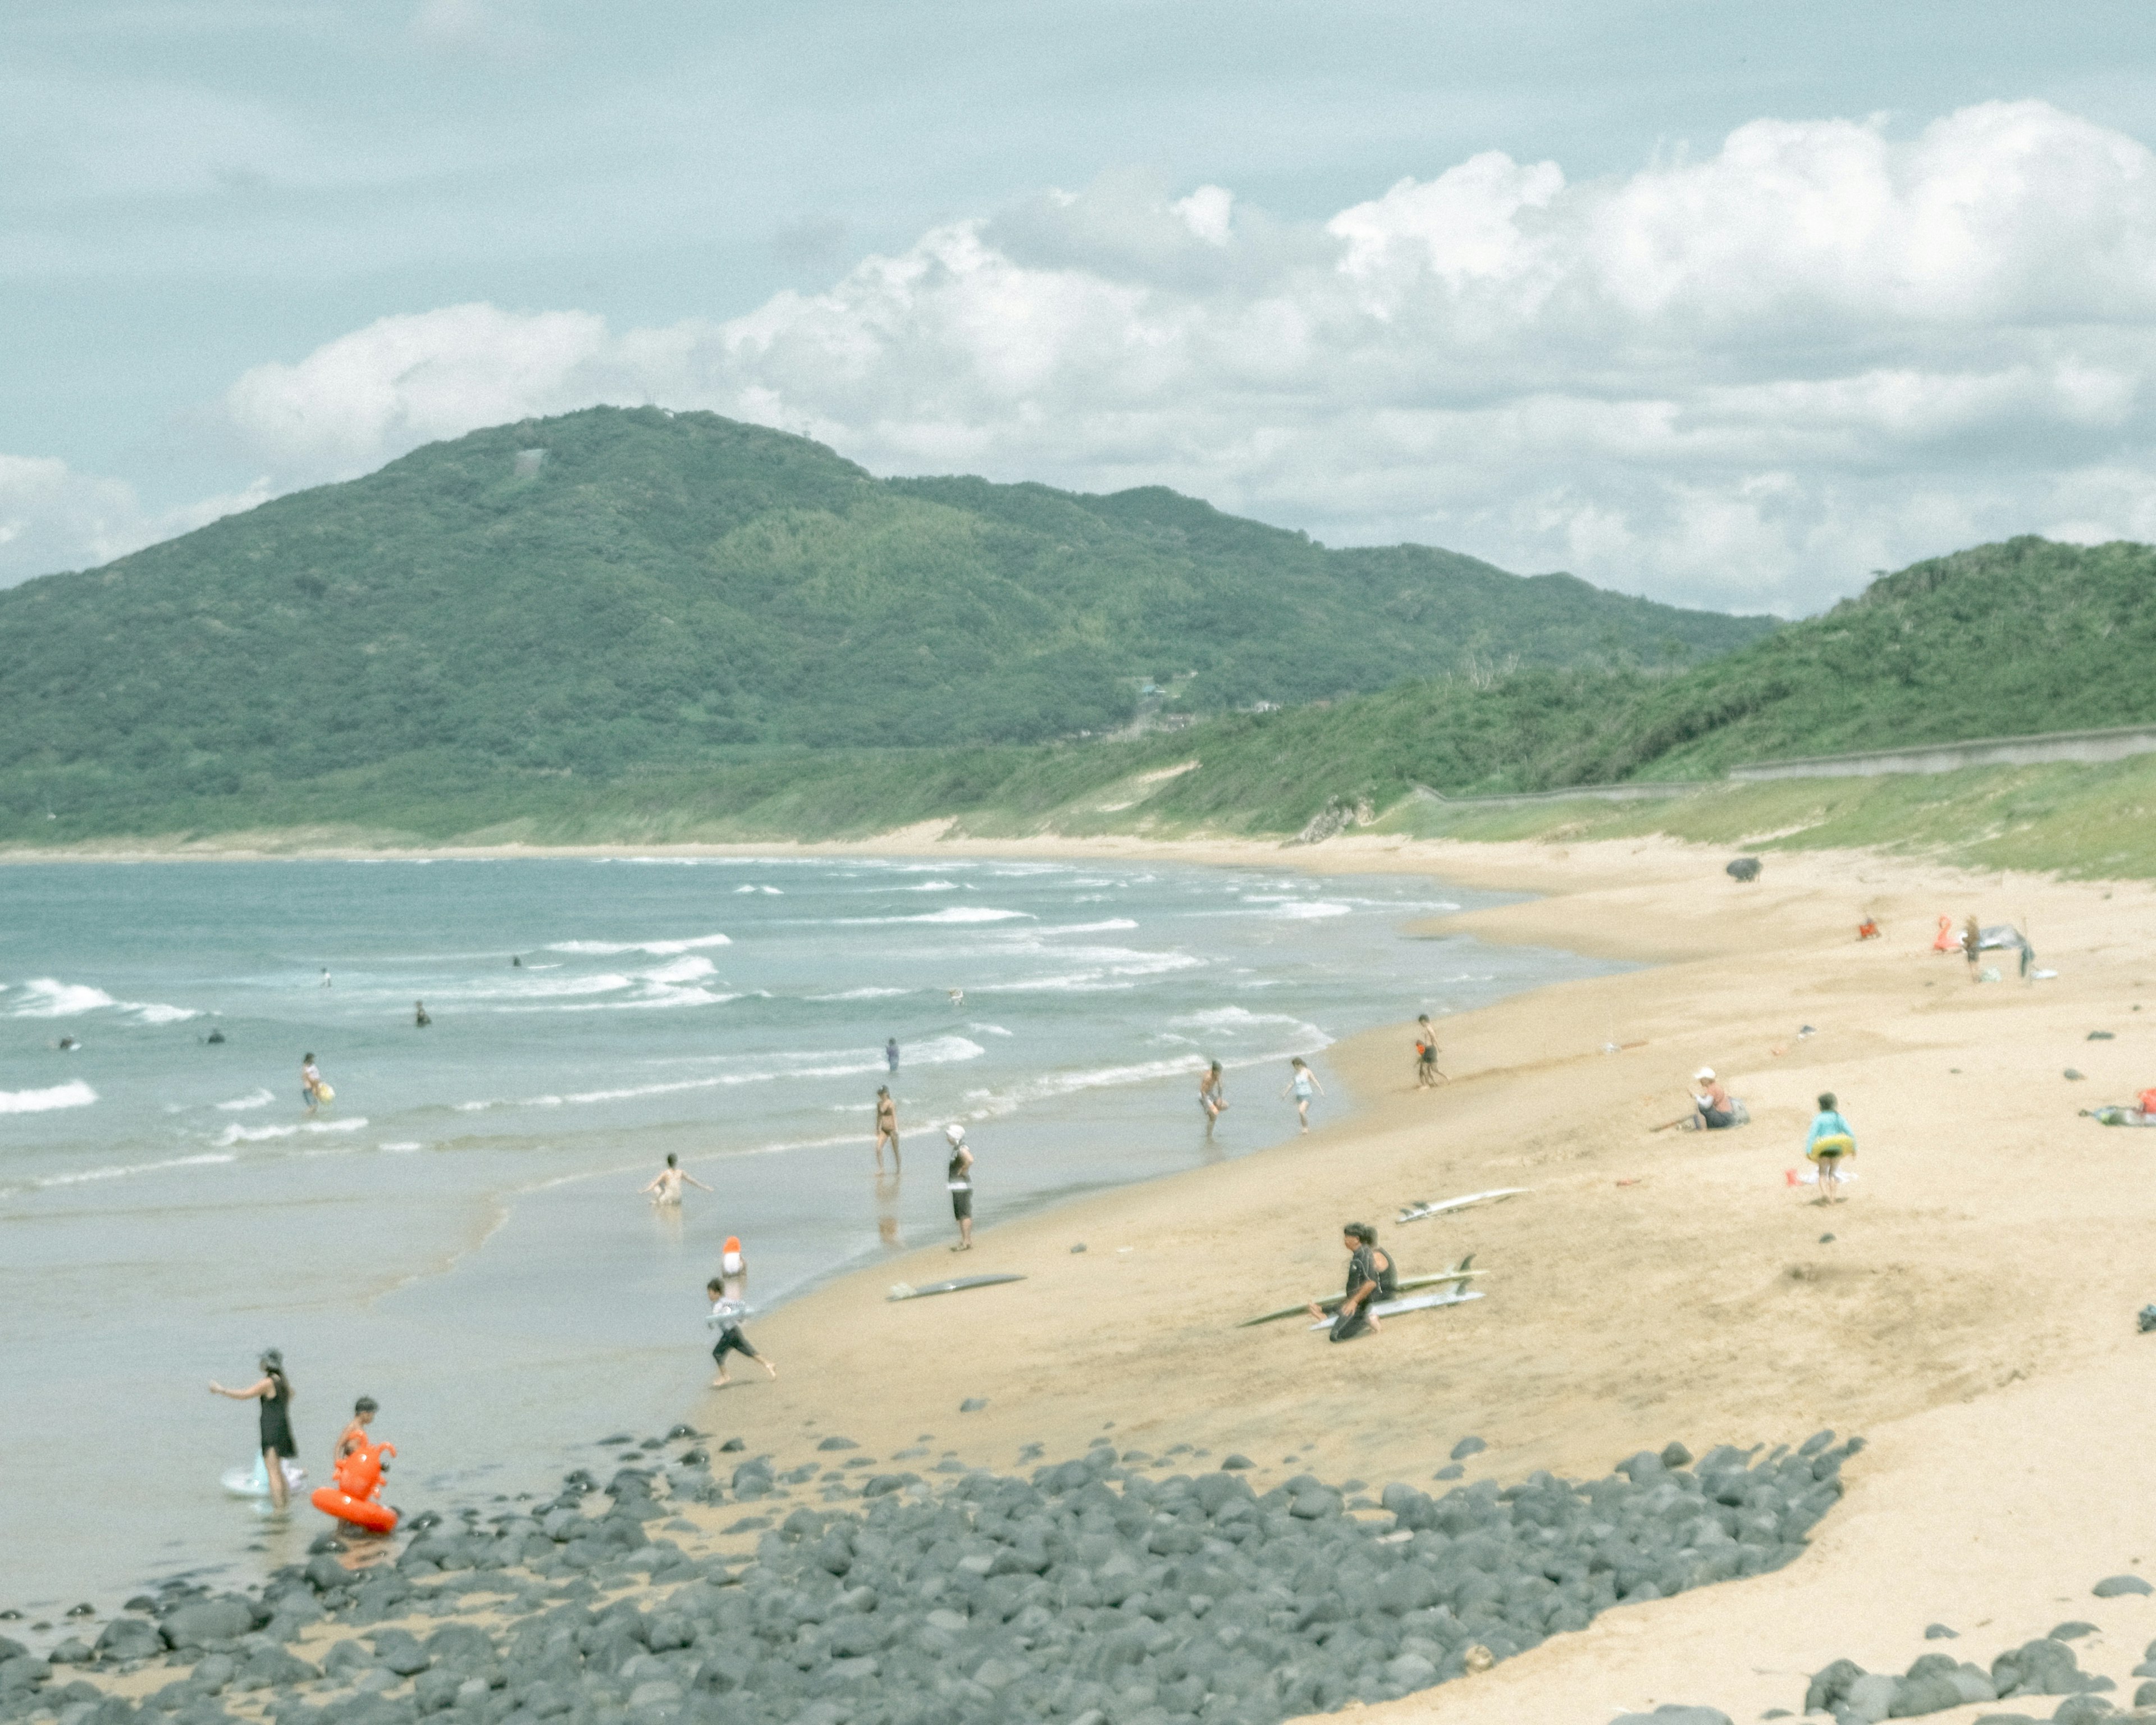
(461, 1234)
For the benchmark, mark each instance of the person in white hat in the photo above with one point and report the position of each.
(958, 1175)
(1710, 1109)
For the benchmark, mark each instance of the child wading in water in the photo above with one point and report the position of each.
(1212, 1096)
(1302, 1083)
(1832, 1139)
(726, 1315)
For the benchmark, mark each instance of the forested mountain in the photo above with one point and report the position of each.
(620, 591)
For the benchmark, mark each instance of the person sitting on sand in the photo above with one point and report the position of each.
(1212, 1096)
(1830, 1141)
(1371, 1278)
(887, 1128)
(958, 1175)
(726, 1315)
(1302, 1083)
(354, 1436)
(665, 1188)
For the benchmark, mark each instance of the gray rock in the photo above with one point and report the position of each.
(208, 1622)
(2071, 1073)
(1450, 1470)
(1940, 1632)
(1869, 1699)
(1237, 1463)
(2145, 1697)
(838, 1443)
(1675, 1456)
(2083, 1710)
(2112, 1586)
(129, 1638)
(973, 1404)
(1671, 1712)
(2073, 1631)
(1468, 1446)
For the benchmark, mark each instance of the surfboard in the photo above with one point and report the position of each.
(1416, 1212)
(1329, 1302)
(958, 1284)
(254, 1481)
(1421, 1302)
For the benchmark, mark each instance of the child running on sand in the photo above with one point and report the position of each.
(1302, 1083)
(1832, 1139)
(726, 1315)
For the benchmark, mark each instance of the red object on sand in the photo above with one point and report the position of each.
(1948, 938)
(1867, 930)
(352, 1499)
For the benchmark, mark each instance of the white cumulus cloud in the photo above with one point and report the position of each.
(1744, 380)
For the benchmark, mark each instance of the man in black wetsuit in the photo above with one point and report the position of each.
(1371, 1278)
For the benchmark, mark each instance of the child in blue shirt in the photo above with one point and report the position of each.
(1831, 1138)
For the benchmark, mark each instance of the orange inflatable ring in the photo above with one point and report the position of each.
(352, 1498)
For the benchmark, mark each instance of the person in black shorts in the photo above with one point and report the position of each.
(726, 1316)
(958, 1175)
(1371, 1278)
(274, 1390)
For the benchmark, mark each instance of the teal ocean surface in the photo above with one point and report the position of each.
(459, 1233)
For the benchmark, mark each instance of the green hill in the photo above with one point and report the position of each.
(657, 590)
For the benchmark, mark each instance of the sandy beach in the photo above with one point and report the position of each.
(1972, 1315)
(1968, 1310)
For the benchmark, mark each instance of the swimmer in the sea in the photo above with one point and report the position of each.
(325, 976)
(67, 1045)
(666, 1189)
(420, 1016)
(886, 1127)
(958, 996)
(517, 964)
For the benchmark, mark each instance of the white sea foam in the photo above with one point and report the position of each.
(862, 994)
(661, 949)
(772, 1068)
(404, 1148)
(773, 891)
(955, 913)
(77, 1095)
(1303, 910)
(989, 1029)
(239, 1105)
(1236, 1018)
(931, 886)
(1113, 923)
(49, 999)
(82, 1175)
(681, 970)
(237, 1134)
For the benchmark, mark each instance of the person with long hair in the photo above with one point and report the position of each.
(274, 1390)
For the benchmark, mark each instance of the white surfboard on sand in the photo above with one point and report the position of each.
(1414, 1303)
(1417, 1212)
(1407, 1284)
(958, 1284)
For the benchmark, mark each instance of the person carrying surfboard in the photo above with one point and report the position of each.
(1831, 1140)
(1371, 1277)
(958, 1175)
(726, 1315)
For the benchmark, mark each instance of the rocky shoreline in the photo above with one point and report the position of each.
(1109, 1589)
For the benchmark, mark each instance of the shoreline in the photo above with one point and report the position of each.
(1973, 1307)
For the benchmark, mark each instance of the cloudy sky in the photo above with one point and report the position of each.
(1727, 303)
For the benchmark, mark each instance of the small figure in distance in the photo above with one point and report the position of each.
(1212, 1096)
(1971, 945)
(1710, 1110)
(274, 1390)
(515, 962)
(1302, 1083)
(311, 1087)
(1371, 1278)
(958, 996)
(354, 1436)
(420, 1017)
(733, 1266)
(726, 1315)
(958, 1175)
(325, 976)
(1831, 1140)
(1427, 1076)
(886, 1127)
(665, 1188)
(891, 1055)
(68, 1045)
(215, 1038)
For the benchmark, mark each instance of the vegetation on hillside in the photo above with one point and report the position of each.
(617, 592)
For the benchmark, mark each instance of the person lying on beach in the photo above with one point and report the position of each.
(1710, 1109)
(958, 1175)
(1371, 1278)
(886, 1127)
(1427, 1076)
(1212, 1096)
(354, 1436)
(666, 1187)
(1302, 1083)
(1831, 1140)
(726, 1315)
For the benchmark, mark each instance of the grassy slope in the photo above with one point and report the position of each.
(675, 590)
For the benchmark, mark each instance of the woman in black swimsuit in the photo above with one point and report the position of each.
(274, 1390)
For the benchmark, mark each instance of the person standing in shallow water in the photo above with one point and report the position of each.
(274, 1390)
(666, 1187)
(886, 1127)
(891, 1055)
(310, 1082)
(1302, 1083)
(1212, 1096)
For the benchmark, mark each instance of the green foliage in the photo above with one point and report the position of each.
(662, 592)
